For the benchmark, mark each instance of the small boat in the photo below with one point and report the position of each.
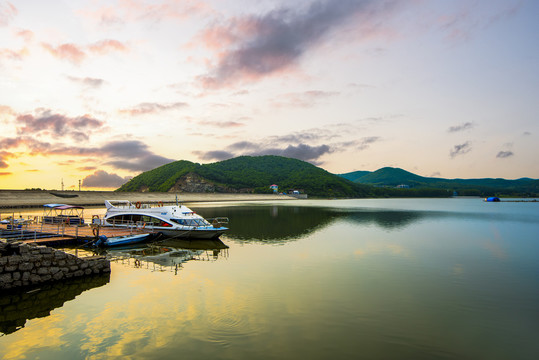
(64, 195)
(103, 241)
(176, 221)
(62, 213)
(492, 199)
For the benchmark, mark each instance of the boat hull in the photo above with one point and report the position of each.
(123, 240)
(194, 234)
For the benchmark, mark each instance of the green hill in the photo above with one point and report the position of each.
(391, 177)
(246, 174)
(354, 176)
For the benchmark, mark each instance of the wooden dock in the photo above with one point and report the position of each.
(62, 234)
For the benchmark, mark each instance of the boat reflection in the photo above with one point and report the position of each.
(168, 254)
(16, 307)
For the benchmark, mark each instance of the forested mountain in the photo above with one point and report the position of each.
(391, 177)
(246, 174)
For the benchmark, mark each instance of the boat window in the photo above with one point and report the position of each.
(191, 222)
(179, 221)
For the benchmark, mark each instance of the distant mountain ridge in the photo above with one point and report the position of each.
(389, 176)
(255, 174)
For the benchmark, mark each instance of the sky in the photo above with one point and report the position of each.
(98, 91)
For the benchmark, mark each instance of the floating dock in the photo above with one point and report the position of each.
(62, 234)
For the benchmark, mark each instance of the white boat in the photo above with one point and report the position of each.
(171, 220)
(121, 240)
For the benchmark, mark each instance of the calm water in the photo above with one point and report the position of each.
(362, 279)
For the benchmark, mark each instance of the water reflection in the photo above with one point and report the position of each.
(167, 254)
(278, 224)
(272, 224)
(17, 307)
(282, 223)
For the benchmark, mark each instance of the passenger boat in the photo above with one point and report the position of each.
(103, 241)
(171, 220)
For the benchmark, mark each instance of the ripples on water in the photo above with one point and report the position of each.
(374, 279)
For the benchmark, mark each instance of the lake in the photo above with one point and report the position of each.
(310, 279)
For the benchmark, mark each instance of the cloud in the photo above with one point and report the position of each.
(150, 108)
(5, 173)
(17, 55)
(303, 99)
(460, 25)
(107, 46)
(221, 124)
(132, 155)
(6, 110)
(78, 53)
(7, 12)
(137, 10)
(87, 81)
(25, 34)
(461, 127)
(4, 155)
(70, 52)
(308, 145)
(460, 149)
(256, 46)
(57, 124)
(243, 145)
(366, 141)
(504, 154)
(301, 151)
(218, 155)
(102, 179)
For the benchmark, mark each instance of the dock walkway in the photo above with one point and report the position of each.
(62, 233)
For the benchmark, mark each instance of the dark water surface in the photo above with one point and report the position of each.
(361, 279)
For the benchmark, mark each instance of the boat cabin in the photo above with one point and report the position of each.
(62, 213)
(137, 219)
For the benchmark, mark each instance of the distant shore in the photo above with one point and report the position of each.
(10, 199)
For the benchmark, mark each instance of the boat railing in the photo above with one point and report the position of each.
(218, 221)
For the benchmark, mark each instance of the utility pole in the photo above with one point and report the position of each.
(79, 185)
(62, 184)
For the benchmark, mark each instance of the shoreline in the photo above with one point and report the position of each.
(14, 199)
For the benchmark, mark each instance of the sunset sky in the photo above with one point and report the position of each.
(101, 90)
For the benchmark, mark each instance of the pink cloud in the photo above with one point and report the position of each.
(4, 155)
(48, 123)
(27, 35)
(7, 13)
(221, 124)
(6, 110)
(70, 52)
(76, 53)
(106, 46)
(137, 10)
(257, 46)
(303, 99)
(14, 54)
(150, 108)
